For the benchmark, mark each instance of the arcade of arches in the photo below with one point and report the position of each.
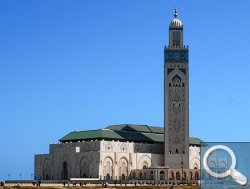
(165, 174)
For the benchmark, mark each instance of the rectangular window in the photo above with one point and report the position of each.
(77, 149)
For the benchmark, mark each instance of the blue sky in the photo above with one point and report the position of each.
(79, 65)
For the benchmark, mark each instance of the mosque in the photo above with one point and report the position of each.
(128, 151)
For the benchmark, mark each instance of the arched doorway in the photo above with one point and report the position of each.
(108, 168)
(172, 175)
(108, 176)
(195, 166)
(140, 175)
(65, 171)
(144, 162)
(191, 176)
(196, 176)
(184, 176)
(151, 175)
(123, 169)
(134, 175)
(84, 168)
(46, 169)
(123, 177)
(45, 176)
(162, 175)
(145, 165)
(178, 176)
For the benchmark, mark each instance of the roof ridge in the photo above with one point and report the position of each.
(86, 131)
(149, 128)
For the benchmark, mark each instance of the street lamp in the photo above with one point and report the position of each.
(182, 165)
(9, 178)
(20, 176)
(246, 167)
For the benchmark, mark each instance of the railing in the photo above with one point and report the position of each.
(115, 182)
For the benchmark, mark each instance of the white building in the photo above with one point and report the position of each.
(116, 152)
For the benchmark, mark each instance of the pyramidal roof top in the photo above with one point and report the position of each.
(124, 132)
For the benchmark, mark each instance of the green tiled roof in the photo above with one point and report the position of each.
(130, 127)
(124, 132)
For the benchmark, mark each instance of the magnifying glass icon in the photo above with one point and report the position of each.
(236, 175)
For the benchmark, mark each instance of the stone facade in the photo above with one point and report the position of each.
(194, 157)
(68, 160)
(109, 160)
(176, 98)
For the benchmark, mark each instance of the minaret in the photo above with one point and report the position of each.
(176, 98)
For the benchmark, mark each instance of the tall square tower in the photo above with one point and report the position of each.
(176, 98)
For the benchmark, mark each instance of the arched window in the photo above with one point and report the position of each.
(176, 80)
(178, 176)
(191, 175)
(140, 175)
(184, 176)
(108, 168)
(134, 175)
(145, 165)
(196, 176)
(176, 38)
(108, 176)
(123, 168)
(174, 43)
(172, 175)
(123, 177)
(65, 171)
(162, 175)
(151, 175)
(84, 168)
(46, 169)
(195, 166)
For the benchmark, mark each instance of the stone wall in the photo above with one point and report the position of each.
(69, 160)
(194, 157)
(102, 159)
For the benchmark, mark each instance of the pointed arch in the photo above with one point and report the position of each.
(172, 175)
(84, 167)
(176, 79)
(196, 176)
(162, 175)
(195, 162)
(178, 175)
(144, 162)
(46, 169)
(64, 167)
(123, 168)
(184, 175)
(108, 168)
